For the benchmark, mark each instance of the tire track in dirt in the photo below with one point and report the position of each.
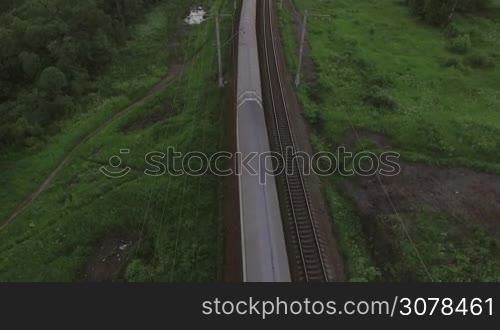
(174, 74)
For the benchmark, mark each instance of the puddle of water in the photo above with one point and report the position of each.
(197, 16)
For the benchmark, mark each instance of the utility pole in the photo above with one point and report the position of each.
(217, 17)
(219, 51)
(302, 43)
(301, 51)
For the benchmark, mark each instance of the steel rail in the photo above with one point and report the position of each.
(311, 256)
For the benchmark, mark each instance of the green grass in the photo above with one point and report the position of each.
(355, 249)
(177, 218)
(381, 69)
(289, 41)
(453, 249)
(139, 65)
(445, 115)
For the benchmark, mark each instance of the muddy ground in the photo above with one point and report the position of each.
(457, 192)
(110, 258)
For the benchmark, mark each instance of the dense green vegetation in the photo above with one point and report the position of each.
(442, 12)
(138, 65)
(433, 92)
(175, 221)
(52, 52)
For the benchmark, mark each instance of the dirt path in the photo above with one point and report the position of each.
(175, 72)
(459, 193)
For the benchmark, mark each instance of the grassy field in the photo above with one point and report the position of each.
(382, 70)
(141, 64)
(174, 222)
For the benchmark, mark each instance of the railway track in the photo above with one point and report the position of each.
(304, 244)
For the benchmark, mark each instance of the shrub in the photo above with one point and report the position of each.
(474, 5)
(479, 61)
(451, 62)
(453, 30)
(317, 90)
(460, 44)
(494, 55)
(62, 105)
(52, 80)
(476, 35)
(383, 81)
(455, 63)
(441, 12)
(379, 99)
(311, 111)
(137, 271)
(312, 115)
(30, 63)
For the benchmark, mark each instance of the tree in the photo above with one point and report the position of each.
(52, 81)
(50, 52)
(30, 63)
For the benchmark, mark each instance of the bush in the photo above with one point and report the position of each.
(19, 132)
(451, 63)
(30, 63)
(479, 61)
(474, 5)
(441, 12)
(455, 63)
(379, 99)
(313, 116)
(476, 35)
(311, 111)
(317, 90)
(453, 30)
(137, 271)
(62, 105)
(52, 80)
(460, 44)
(382, 81)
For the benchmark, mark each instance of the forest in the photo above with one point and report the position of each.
(52, 51)
(129, 74)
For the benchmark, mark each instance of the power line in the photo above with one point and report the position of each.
(398, 215)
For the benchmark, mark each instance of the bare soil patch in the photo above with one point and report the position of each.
(458, 192)
(110, 258)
